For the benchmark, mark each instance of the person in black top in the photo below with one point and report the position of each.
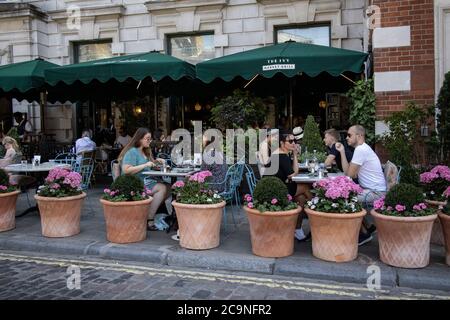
(334, 156)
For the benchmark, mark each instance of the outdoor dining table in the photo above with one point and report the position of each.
(30, 169)
(310, 179)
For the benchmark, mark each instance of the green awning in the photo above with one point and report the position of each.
(136, 66)
(24, 76)
(289, 58)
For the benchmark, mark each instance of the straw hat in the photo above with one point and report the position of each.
(298, 133)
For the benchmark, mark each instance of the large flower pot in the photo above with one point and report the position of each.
(272, 233)
(335, 235)
(404, 241)
(445, 222)
(437, 236)
(8, 210)
(126, 221)
(60, 217)
(199, 224)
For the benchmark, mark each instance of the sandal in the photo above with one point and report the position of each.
(151, 227)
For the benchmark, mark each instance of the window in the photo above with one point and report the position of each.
(192, 48)
(87, 51)
(317, 34)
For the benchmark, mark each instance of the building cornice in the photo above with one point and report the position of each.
(166, 6)
(18, 10)
(92, 11)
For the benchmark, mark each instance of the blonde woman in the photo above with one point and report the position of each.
(12, 151)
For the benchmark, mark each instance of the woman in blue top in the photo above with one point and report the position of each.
(136, 158)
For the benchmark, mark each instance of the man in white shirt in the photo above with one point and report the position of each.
(123, 139)
(84, 144)
(365, 165)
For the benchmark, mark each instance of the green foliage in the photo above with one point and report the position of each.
(362, 107)
(443, 122)
(4, 178)
(126, 188)
(404, 194)
(195, 190)
(240, 110)
(271, 194)
(446, 208)
(403, 138)
(311, 138)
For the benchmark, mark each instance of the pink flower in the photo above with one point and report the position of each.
(149, 192)
(106, 190)
(250, 205)
(132, 193)
(400, 208)
(389, 208)
(178, 184)
(447, 192)
(2, 187)
(422, 205)
(55, 186)
(248, 198)
(289, 197)
(274, 201)
(417, 207)
(378, 204)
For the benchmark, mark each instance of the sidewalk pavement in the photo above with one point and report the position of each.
(234, 253)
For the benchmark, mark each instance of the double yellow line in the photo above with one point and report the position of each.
(341, 291)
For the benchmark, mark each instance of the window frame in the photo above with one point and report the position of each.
(170, 36)
(76, 46)
(301, 26)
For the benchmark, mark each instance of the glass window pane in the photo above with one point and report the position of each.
(94, 51)
(193, 49)
(313, 35)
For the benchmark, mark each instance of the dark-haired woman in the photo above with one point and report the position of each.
(136, 158)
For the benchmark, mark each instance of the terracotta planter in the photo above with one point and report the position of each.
(404, 241)
(60, 217)
(445, 222)
(199, 224)
(8, 210)
(272, 233)
(437, 236)
(335, 235)
(126, 221)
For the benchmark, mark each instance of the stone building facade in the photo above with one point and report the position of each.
(411, 42)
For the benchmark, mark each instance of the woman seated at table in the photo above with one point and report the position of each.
(287, 155)
(214, 161)
(136, 158)
(12, 154)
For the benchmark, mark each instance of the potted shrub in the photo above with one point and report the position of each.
(8, 199)
(199, 212)
(404, 224)
(444, 216)
(125, 207)
(60, 199)
(272, 216)
(335, 217)
(434, 183)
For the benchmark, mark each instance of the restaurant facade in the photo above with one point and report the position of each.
(410, 45)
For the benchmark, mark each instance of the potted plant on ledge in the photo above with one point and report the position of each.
(404, 224)
(272, 216)
(8, 199)
(434, 183)
(199, 212)
(335, 217)
(444, 216)
(60, 199)
(125, 206)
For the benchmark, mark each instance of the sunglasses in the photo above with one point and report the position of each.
(291, 141)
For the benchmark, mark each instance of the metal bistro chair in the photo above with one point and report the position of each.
(115, 169)
(67, 158)
(251, 179)
(229, 186)
(85, 169)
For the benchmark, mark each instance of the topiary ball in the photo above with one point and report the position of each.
(404, 194)
(126, 184)
(271, 187)
(4, 178)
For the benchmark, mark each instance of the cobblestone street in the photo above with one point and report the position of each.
(32, 276)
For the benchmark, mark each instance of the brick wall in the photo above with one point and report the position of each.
(418, 58)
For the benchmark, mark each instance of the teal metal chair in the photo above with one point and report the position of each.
(251, 179)
(230, 184)
(67, 158)
(85, 169)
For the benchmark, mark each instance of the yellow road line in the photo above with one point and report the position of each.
(325, 289)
